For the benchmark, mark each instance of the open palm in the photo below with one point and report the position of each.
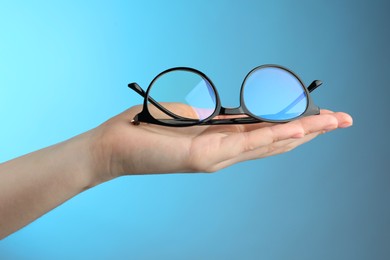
(148, 148)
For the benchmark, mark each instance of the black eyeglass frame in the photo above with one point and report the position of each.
(178, 121)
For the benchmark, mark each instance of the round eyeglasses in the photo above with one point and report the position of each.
(184, 96)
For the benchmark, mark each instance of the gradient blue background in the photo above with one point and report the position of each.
(64, 67)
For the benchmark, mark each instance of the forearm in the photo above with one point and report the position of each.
(34, 184)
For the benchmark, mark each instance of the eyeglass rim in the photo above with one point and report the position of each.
(189, 69)
(250, 73)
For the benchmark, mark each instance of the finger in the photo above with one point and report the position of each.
(233, 145)
(262, 152)
(318, 123)
(311, 126)
(344, 119)
(219, 147)
(268, 135)
(251, 127)
(237, 128)
(294, 129)
(292, 145)
(325, 111)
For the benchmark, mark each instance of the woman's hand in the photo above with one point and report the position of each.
(146, 148)
(33, 184)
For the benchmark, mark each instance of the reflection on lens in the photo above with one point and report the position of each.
(181, 94)
(274, 94)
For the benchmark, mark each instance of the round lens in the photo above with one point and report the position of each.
(274, 93)
(181, 94)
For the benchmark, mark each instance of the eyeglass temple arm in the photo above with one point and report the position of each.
(315, 84)
(134, 86)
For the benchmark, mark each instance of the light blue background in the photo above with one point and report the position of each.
(64, 67)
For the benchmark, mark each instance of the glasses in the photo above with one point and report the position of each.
(186, 97)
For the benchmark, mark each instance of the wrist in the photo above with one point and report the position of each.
(91, 160)
(100, 157)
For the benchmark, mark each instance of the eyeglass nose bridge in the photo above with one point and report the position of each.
(232, 111)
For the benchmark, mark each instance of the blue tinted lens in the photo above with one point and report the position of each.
(183, 93)
(275, 94)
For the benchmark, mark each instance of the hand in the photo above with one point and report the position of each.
(147, 148)
(37, 182)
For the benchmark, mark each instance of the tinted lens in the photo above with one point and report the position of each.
(181, 94)
(275, 94)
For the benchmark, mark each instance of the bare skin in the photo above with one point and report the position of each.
(36, 183)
